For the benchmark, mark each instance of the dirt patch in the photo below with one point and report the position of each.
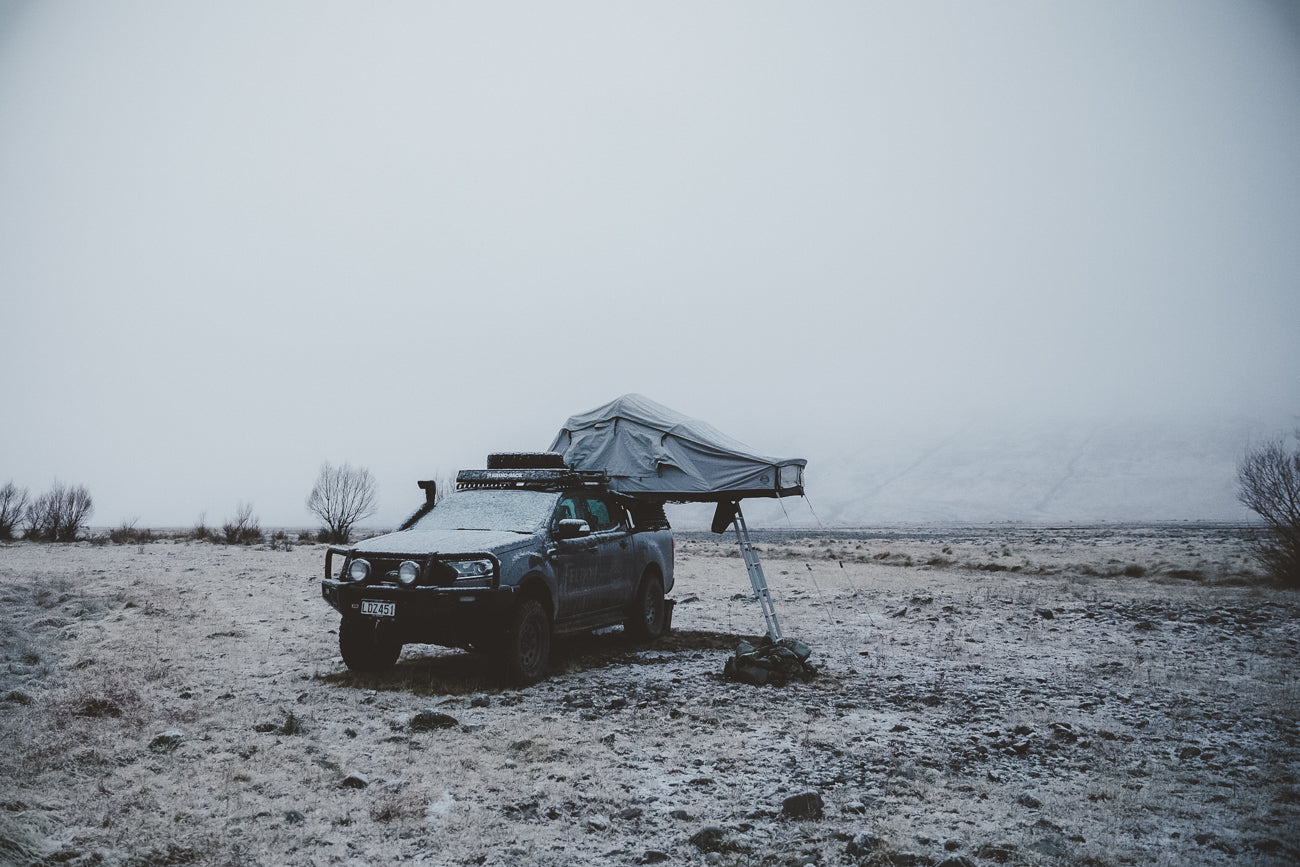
(1105, 696)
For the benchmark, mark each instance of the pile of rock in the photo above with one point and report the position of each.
(766, 661)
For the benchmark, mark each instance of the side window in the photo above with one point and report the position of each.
(603, 515)
(566, 508)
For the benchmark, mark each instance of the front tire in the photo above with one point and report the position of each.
(527, 643)
(367, 646)
(647, 621)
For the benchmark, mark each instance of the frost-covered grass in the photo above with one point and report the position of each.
(1070, 710)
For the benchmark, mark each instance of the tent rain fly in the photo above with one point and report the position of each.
(652, 452)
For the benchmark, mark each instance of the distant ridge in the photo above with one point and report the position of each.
(1047, 472)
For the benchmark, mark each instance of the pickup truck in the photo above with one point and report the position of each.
(513, 557)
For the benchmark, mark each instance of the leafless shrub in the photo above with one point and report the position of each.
(200, 532)
(341, 496)
(1268, 477)
(13, 504)
(244, 528)
(60, 514)
(393, 807)
(128, 534)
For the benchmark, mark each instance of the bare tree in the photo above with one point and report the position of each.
(244, 528)
(1269, 480)
(36, 517)
(342, 496)
(446, 484)
(60, 514)
(13, 505)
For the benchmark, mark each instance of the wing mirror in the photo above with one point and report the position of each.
(572, 528)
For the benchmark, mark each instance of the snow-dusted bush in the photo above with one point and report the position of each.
(244, 528)
(1269, 479)
(13, 505)
(60, 514)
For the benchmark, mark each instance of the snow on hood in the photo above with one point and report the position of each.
(438, 541)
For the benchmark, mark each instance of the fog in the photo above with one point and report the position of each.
(240, 239)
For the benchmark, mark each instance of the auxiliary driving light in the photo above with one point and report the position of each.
(359, 570)
(408, 572)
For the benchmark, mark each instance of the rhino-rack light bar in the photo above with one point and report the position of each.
(550, 479)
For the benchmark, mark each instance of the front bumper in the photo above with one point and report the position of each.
(427, 615)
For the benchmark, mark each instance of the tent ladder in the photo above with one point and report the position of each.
(756, 578)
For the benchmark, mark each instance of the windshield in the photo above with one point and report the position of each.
(520, 511)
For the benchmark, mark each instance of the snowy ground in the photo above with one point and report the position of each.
(1001, 694)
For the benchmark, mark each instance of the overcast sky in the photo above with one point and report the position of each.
(238, 239)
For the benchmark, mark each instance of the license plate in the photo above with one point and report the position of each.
(378, 609)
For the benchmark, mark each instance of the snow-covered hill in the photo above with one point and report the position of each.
(1042, 472)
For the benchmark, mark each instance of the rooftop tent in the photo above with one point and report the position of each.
(651, 451)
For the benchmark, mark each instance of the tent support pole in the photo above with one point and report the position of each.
(756, 578)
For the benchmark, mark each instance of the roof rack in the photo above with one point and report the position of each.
(543, 479)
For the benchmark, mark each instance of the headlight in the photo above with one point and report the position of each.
(472, 568)
(359, 570)
(408, 572)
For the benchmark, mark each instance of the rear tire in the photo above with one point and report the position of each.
(648, 618)
(527, 645)
(367, 645)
